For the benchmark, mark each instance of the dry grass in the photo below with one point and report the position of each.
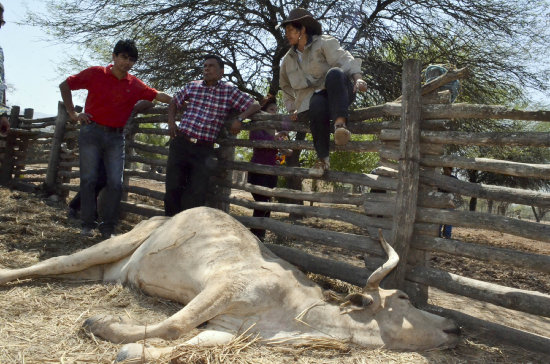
(40, 320)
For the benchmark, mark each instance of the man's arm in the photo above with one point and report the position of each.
(67, 98)
(172, 109)
(236, 125)
(141, 106)
(162, 97)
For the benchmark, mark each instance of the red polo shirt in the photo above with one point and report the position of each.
(110, 101)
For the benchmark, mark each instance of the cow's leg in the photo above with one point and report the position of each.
(107, 251)
(212, 301)
(139, 352)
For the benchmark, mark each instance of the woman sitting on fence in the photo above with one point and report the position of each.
(267, 156)
(319, 80)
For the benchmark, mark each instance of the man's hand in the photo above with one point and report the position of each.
(235, 127)
(172, 128)
(4, 125)
(82, 117)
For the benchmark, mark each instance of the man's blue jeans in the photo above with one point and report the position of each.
(95, 144)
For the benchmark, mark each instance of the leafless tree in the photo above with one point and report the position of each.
(496, 39)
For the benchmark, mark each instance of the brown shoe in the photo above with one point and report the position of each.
(341, 134)
(320, 167)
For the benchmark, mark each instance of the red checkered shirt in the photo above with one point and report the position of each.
(208, 107)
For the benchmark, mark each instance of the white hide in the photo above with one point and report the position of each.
(210, 262)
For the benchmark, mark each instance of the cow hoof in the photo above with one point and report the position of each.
(130, 353)
(102, 319)
(104, 326)
(139, 353)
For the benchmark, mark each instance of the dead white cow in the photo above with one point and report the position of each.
(210, 262)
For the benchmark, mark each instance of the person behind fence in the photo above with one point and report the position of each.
(112, 94)
(266, 156)
(4, 121)
(319, 80)
(445, 231)
(206, 103)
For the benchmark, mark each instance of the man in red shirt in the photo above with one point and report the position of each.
(112, 94)
(191, 161)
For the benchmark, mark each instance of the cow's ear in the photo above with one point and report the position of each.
(355, 302)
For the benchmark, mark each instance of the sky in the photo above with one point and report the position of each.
(31, 62)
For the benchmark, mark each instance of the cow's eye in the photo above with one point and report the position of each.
(403, 297)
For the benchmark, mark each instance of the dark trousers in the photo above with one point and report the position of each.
(188, 171)
(445, 231)
(327, 105)
(266, 181)
(101, 182)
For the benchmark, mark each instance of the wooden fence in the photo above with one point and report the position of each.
(410, 136)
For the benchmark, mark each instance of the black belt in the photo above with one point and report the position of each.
(110, 129)
(195, 140)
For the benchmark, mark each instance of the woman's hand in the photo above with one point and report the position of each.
(360, 85)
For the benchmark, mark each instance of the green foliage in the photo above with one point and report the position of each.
(242, 153)
(345, 161)
(151, 139)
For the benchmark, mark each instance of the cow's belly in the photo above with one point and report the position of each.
(178, 260)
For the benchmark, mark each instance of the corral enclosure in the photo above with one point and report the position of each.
(410, 135)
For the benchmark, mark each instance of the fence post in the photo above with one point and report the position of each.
(9, 150)
(55, 153)
(409, 155)
(14, 116)
(221, 194)
(28, 113)
(23, 145)
(130, 133)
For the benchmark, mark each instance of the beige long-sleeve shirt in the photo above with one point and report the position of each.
(303, 74)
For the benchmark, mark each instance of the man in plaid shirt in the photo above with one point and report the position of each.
(191, 161)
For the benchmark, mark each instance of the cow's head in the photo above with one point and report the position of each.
(401, 325)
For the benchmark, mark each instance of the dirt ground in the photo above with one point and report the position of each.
(40, 320)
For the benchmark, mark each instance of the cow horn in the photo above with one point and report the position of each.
(376, 277)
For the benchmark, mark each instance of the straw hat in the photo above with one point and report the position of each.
(303, 17)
